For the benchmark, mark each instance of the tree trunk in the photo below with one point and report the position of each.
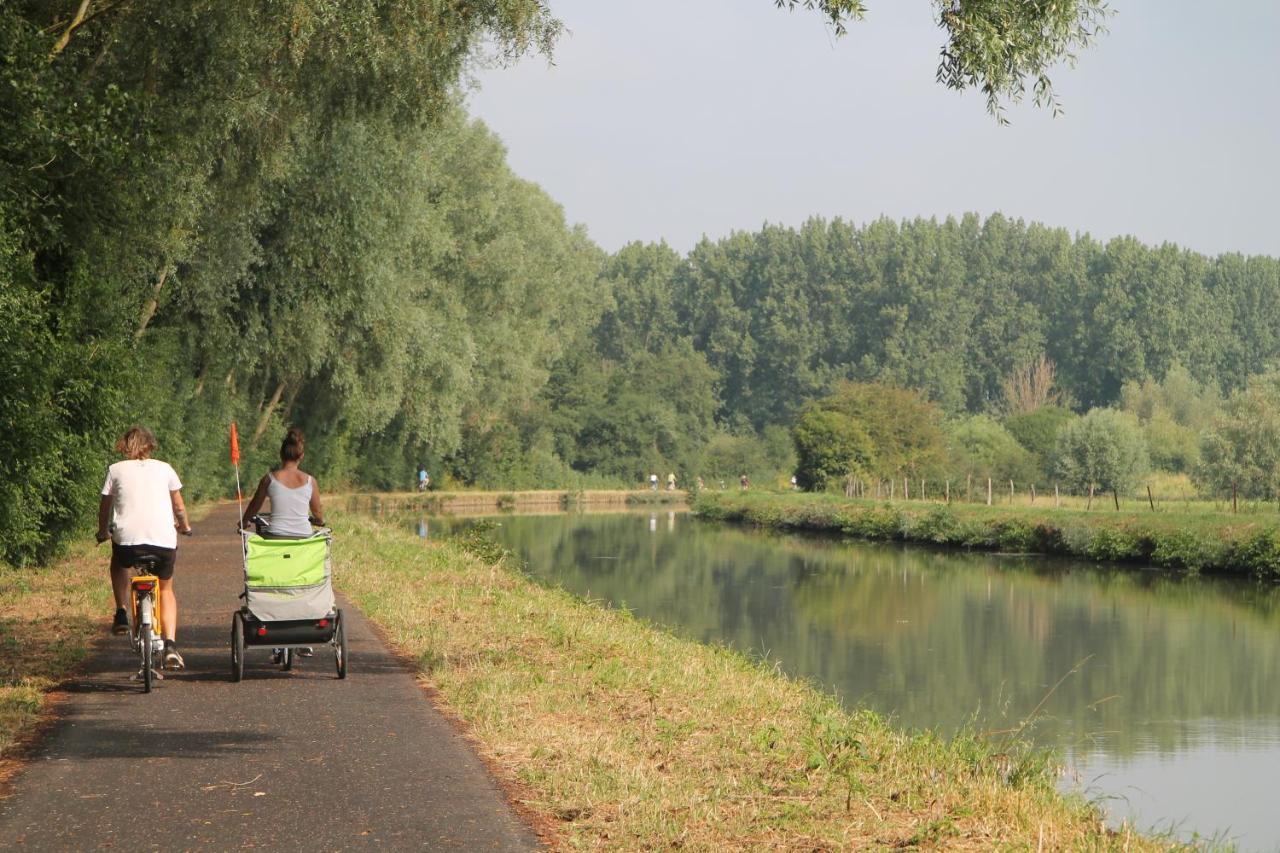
(265, 417)
(76, 21)
(149, 310)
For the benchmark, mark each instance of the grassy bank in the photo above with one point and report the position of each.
(627, 737)
(48, 619)
(1245, 544)
(442, 502)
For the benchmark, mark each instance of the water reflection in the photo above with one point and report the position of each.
(1164, 691)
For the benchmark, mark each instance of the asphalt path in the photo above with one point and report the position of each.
(281, 761)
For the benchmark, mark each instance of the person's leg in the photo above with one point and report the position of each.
(168, 610)
(120, 583)
(119, 590)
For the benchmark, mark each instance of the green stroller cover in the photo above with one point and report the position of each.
(287, 579)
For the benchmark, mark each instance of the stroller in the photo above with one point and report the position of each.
(288, 600)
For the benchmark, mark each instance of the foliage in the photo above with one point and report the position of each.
(830, 446)
(1241, 451)
(1037, 431)
(1174, 412)
(979, 447)
(904, 428)
(1104, 449)
(996, 46)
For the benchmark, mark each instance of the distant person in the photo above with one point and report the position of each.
(424, 479)
(653, 482)
(744, 483)
(141, 512)
(671, 482)
(294, 494)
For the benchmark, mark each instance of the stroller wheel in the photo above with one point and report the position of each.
(237, 647)
(340, 646)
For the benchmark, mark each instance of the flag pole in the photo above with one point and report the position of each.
(235, 460)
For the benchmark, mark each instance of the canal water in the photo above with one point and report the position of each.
(1162, 692)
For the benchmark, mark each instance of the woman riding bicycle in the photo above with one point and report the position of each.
(294, 494)
(141, 512)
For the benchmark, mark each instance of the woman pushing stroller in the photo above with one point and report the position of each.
(294, 494)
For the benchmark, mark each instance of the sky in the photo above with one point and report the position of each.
(674, 119)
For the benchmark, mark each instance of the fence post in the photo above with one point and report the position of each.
(1057, 499)
(1115, 493)
(1011, 493)
(948, 491)
(1033, 493)
(1089, 505)
(906, 488)
(988, 491)
(1234, 508)
(968, 487)
(1150, 499)
(922, 497)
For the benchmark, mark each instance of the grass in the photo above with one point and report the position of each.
(48, 619)
(1199, 538)
(627, 737)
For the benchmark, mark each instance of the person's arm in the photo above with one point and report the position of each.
(255, 503)
(104, 519)
(179, 512)
(317, 513)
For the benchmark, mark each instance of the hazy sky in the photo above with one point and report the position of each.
(671, 119)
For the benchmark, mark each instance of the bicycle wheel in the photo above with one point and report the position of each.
(144, 637)
(237, 647)
(339, 645)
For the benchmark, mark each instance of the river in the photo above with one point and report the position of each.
(1162, 692)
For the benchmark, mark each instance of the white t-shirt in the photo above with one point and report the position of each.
(142, 509)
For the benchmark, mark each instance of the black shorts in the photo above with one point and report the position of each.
(127, 555)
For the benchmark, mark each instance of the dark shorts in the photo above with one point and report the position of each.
(127, 555)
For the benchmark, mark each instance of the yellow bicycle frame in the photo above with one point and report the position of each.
(156, 627)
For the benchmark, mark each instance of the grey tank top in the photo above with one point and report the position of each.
(290, 508)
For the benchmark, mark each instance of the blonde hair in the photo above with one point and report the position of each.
(136, 443)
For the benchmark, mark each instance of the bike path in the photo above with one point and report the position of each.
(281, 761)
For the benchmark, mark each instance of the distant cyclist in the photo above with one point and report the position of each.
(294, 494)
(141, 512)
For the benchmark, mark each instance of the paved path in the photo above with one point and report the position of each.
(281, 761)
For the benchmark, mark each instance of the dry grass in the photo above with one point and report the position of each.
(48, 618)
(631, 738)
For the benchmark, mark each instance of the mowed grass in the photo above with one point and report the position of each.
(1195, 539)
(627, 737)
(48, 619)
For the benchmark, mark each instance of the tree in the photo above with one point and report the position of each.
(1241, 451)
(1104, 449)
(996, 46)
(1038, 432)
(904, 427)
(980, 447)
(829, 447)
(1174, 413)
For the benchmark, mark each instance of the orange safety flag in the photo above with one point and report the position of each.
(235, 445)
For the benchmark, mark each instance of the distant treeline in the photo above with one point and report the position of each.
(214, 212)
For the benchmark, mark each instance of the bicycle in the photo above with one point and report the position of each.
(146, 633)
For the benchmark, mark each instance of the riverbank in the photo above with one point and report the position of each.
(455, 502)
(1244, 544)
(626, 736)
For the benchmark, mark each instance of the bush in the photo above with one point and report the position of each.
(1105, 449)
(829, 446)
